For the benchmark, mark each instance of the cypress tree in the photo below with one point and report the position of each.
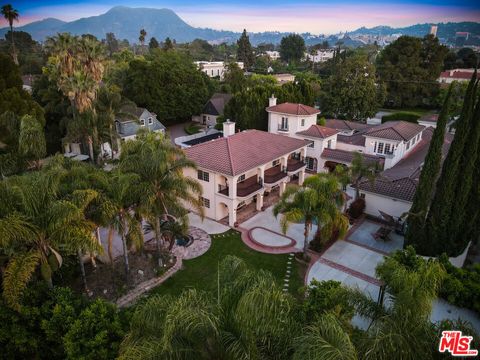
(416, 220)
(244, 51)
(459, 216)
(436, 228)
(472, 221)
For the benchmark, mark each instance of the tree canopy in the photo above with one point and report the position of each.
(292, 48)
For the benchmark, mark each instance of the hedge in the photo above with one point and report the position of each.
(402, 115)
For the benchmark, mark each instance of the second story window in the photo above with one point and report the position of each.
(303, 122)
(329, 144)
(284, 123)
(150, 121)
(203, 175)
(312, 143)
(387, 149)
(380, 148)
(205, 202)
(275, 162)
(241, 178)
(142, 122)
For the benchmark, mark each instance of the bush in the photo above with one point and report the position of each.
(356, 208)
(403, 116)
(191, 129)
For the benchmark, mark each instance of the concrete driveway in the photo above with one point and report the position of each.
(176, 130)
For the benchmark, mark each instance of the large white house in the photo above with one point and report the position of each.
(320, 55)
(215, 68)
(240, 168)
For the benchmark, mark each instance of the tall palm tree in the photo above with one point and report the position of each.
(298, 204)
(11, 15)
(164, 188)
(330, 199)
(362, 169)
(36, 225)
(250, 317)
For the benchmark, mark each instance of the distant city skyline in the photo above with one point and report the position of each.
(281, 15)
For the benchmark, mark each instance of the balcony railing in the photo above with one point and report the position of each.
(274, 174)
(244, 188)
(294, 164)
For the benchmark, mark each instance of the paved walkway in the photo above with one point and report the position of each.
(353, 261)
(201, 244)
(270, 238)
(177, 130)
(209, 226)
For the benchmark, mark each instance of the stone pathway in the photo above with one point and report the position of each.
(288, 272)
(148, 285)
(201, 244)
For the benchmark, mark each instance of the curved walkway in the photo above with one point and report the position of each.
(266, 237)
(247, 240)
(201, 244)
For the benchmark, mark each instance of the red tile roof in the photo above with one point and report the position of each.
(401, 180)
(318, 131)
(347, 156)
(458, 74)
(243, 151)
(293, 109)
(395, 130)
(345, 124)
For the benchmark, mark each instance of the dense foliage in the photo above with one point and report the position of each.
(409, 67)
(168, 84)
(401, 116)
(245, 51)
(292, 48)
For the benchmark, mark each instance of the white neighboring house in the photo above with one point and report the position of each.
(273, 55)
(320, 56)
(241, 168)
(429, 120)
(127, 128)
(283, 78)
(213, 109)
(215, 68)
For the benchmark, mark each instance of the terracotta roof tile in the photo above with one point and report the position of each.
(345, 124)
(395, 130)
(318, 131)
(242, 151)
(293, 109)
(463, 74)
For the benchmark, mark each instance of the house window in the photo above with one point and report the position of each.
(329, 144)
(275, 162)
(408, 145)
(311, 163)
(203, 175)
(380, 148)
(241, 178)
(142, 122)
(303, 122)
(284, 124)
(150, 121)
(387, 149)
(375, 147)
(205, 202)
(312, 143)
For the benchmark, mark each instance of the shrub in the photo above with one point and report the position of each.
(191, 129)
(356, 208)
(403, 116)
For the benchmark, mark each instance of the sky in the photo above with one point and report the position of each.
(316, 17)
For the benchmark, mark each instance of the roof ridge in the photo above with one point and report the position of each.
(230, 155)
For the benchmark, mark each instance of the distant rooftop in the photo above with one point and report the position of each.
(395, 130)
(318, 131)
(293, 109)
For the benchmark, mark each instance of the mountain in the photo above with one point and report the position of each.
(126, 22)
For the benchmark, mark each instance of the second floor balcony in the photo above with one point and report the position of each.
(295, 164)
(244, 188)
(274, 174)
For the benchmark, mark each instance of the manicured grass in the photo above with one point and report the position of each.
(417, 111)
(201, 273)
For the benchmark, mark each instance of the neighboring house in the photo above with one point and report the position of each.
(462, 75)
(273, 55)
(127, 128)
(429, 120)
(284, 78)
(240, 168)
(320, 56)
(27, 82)
(393, 190)
(213, 109)
(215, 68)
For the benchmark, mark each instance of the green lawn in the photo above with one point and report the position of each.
(192, 128)
(201, 273)
(419, 111)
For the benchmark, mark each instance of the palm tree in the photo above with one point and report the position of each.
(11, 15)
(35, 226)
(165, 189)
(330, 198)
(250, 317)
(298, 204)
(342, 173)
(361, 169)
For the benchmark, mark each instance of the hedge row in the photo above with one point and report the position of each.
(401, 115)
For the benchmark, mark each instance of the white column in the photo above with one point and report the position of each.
(283, 185)
(301, 177)
(261, 173)
(259, 201)
(232, 187)
(232, 213)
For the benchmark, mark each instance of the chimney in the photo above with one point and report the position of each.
(272, 101)
(228, 128)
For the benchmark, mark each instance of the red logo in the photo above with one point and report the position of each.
(456, 344)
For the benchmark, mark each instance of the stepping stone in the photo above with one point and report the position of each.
(287, 280)
(288, 271)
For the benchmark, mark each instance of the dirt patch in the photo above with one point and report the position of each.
(111, 282)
